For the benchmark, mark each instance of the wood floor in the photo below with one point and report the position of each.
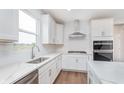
(67, 77)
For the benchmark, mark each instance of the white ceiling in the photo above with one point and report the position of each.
(64, 15)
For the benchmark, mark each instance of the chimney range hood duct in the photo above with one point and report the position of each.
(77, 33)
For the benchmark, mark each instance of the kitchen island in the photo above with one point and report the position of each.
(102, 72)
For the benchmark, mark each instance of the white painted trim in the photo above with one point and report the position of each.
(73, 70)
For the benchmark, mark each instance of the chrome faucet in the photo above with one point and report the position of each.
(32, 52)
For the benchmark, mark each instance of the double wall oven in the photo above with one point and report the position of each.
(103, 50)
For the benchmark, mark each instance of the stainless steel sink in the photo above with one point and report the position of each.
(39, 60)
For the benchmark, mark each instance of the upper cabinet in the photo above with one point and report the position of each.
(8, 25)
(102, 28)
(52, 33)
(59, 34)
(48, 29)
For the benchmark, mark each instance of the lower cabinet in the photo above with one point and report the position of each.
(44, 78)
(58, 65)
(74, 62)
(49, 72)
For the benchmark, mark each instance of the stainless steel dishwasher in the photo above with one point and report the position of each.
(31, 78)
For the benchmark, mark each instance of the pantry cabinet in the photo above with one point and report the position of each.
(8, 25)
(49, 72)
(74, 62)
(48, 29)
(102, 28)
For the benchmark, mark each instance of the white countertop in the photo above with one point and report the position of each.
(108, 72)
(14, 72)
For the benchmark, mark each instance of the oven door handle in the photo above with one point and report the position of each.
(31, 80)
(103, 51)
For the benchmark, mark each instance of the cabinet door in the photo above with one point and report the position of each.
(52, 30)
(48, 30)
(69, 62)
(45, 29)
(44, 78)
(102, 27)
(58, 65)
(81, 62)
(59, 34)
(9, 24)
(108, 27)
(74, 62)
(96, 26)
(53, 74)
(56, 68)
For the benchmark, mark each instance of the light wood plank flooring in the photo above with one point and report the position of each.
(67, 77)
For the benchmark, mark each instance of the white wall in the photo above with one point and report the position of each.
(119, 43)
(9, 53)
(78, 45)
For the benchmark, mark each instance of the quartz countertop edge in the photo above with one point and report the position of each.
(15, 72)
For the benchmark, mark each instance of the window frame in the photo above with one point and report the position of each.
(26, 31)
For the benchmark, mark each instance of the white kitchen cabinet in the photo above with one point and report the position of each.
(53, 72)
(102, 27)
(44, 78)
(48, 29)
(74, 62)
(8, 25)
(58, 65)
(49, 72)
(52, 32)
(49, 75)
(56, 68)
(59, 34)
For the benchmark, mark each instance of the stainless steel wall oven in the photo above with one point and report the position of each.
(103, 50)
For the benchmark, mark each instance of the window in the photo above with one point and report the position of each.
(27, 26)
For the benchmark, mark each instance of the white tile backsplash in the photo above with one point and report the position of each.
(10, 54)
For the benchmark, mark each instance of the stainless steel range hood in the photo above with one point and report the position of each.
(77, 33)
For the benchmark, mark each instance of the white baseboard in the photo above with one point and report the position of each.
(73, 70)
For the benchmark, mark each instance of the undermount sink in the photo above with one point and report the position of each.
(39, 60)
